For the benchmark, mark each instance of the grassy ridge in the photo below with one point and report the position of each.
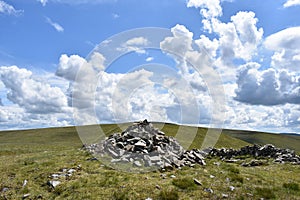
(33, 155)
(279, 140)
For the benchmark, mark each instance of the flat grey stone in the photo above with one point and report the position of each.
(54, 183)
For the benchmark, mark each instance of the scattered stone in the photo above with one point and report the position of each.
(164, 176)
(231, 188)
(232, 160)
(209, 190)
(172, 176)
(70, 171)
(25, 183)
(211, 176)
(25, 196)
(197, 182)
(54, 184)
(225, 196)
(5, 189)
(157, 187)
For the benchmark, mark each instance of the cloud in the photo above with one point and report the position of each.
(149, 59)
(1, 104)
(290, 3)
(128, 97)
(268, 87)
(69, 66)
(286, 47)
(55, 25)
(8, 9)
(136, 44)
(43, 2)
(32, 94)
(238, 38)
(208, 8)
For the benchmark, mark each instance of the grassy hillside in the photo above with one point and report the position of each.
(280, 140)
(33, 155)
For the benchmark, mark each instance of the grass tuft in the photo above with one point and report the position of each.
(184, 183)
(120, 195)
(291, 186)
(265, 193)
(170, 194)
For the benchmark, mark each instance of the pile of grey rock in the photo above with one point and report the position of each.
(266, 151)
(142, 145)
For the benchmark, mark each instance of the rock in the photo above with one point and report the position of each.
(55, 176)
(25, 196)
(70, 171)
(137, 163)
(164, 176)
(54, 184)
(143, 139)
(231, 188)
(211, 176)
(197, 182)
(157, 187)
(25, 183)
(92, 159)
(209, 190)
(232, 160)
(252, 163)
(172, 176)
(225, 196)
(5, 189)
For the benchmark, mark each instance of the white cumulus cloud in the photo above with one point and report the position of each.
(31, 94)
(290, 3)
(208, 8)
(268, 87)
(286, 47)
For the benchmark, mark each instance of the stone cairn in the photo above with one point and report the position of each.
(142, 145)
(267, 151)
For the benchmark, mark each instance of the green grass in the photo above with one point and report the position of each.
(184, 183)
(34, 155)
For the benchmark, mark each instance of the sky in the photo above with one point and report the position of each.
(214, 63)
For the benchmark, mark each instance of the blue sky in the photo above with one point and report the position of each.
(252, 46)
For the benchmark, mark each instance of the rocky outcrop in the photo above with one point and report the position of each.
(266, 151)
